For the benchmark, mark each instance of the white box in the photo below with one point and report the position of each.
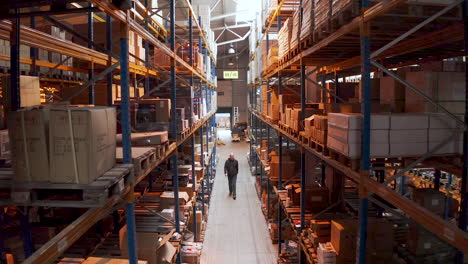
(439, 135)
(354, 121)
(354, 136)
(441, 120)
(408, 149)
(452, 147)
(408, 136)
(354, 150)
(409, 121)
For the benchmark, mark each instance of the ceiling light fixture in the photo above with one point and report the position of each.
(231, 50)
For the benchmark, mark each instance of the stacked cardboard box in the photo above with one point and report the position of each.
(284, 101)
(392, 92)
(273, 55)
(288, 167)
(30, 93)
(153, 115)
(322, 14)
(317, 198)
(63, 144)
(321, 231)
(307, 18)
(294, 193)
(295, 28)
(380, 240)
(441, 127)
(448, 88)
(296, 117)
(395, 135)
(284, 38)
(4, 144)
(264, 98)
(319, 128)
(273, 105)
(344, 134)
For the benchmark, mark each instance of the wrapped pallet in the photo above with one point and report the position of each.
(284, 38)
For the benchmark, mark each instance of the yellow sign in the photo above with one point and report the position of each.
(231, 74)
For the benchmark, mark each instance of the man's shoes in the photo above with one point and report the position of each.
(234, 197)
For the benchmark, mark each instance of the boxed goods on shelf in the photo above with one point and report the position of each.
(431, 199)
(4, 144)
(374, 91)
(29, 90)
(167, 199)
(326, 254)
(146, 138)
(393, 92)
(425, 244)
(322, 15)
(380, 240)
(294, 193)
(295, 29)
(316, 198)
(29, 141)
(447, 88)
(288, 168)
(152, 246)
(307, 18)
(82, 143)
(284, 38)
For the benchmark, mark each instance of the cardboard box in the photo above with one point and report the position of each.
(408, 149)
(145, 139)
(4, 144)
(147, 245)
(167, 199)
(317, 198)
(82, 143)
(392, 93)
(343, 238)
(354, 136)
(154, 110)
(353, 150)
(29, 142)
(408, 136)
(354, 121)
(409, 121)
(431, 199)
(29, 90)
(288, 171)
(326, 254)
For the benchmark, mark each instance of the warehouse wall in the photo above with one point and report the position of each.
(235, 91)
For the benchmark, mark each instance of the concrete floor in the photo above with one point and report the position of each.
(237, 232)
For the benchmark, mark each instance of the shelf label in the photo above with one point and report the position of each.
(231, 74)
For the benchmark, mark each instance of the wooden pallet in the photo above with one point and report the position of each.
(90, 195)
(353, 163)
(143, 158)
(318, 146)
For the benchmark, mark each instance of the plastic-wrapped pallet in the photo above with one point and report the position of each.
(284, 38)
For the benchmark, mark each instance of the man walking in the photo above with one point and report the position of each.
(231, 168)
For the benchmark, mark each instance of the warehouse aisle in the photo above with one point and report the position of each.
(237, 232)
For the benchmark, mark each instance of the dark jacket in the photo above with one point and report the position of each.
(231, 167)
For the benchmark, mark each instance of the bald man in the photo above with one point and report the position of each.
(231, 168)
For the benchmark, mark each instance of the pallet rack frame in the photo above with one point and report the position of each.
(448, 232)
(49, 252)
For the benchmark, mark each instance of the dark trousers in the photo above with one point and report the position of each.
(232, 184)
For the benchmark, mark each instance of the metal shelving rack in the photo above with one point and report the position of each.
(152, 33)
(352, 49)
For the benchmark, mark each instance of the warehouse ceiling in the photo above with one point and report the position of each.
(230, 20)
